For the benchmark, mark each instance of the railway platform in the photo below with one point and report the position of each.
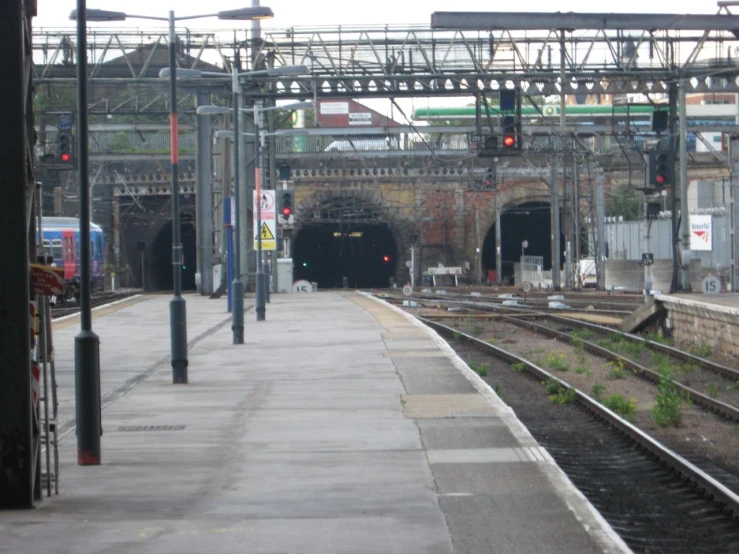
(704, 321)
(342, 425)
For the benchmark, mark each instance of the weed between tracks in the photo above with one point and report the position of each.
(702, 351)
(556, 360)
(518, 367)
(668, 402)
(559, 394)
(620, 405)
(481, 369)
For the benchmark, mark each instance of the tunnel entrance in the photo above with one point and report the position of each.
(366, 254)
(530, 222)
(160, 262)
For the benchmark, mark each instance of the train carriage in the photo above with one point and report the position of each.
(61, 241)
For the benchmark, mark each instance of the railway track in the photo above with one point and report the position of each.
(98, 299)
(727, 377)
(699, 398)
(657, 500)
(504, 304)
(600, 303)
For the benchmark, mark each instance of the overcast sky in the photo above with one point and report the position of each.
(289, 13)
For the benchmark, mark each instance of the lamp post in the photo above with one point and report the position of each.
(86, 343)
(177, 306)
(209, 110)
(262, 273)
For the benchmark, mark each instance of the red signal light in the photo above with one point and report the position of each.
(660, 179)
(65, 157)
(509, 141)
(286, 212)
(386, 258)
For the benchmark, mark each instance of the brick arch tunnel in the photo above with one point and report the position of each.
(160, 272)
(349, 237)
(528, 221)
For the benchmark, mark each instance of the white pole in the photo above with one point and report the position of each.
(413, 267)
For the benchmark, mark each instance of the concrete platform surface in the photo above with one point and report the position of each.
(342, 425)
(727, 301)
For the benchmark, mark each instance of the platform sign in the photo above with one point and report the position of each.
(701, 233)
(268, 229)
(302, 286)
(47, 280)
(711, 285)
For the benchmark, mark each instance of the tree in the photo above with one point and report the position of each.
(625, 201)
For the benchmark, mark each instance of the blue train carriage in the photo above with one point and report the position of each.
(61, 240)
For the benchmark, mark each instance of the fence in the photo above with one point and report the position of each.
(532, 269)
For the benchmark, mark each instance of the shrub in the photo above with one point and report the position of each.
(661, 362)
(702, 351)
(559, 394)
(618, 404)
(478, 368)
(598, 390)
(583, 334)
(660, 339)
(557, 360)
(616, 369)
(630, 348)
(518, 367)
(666, 410)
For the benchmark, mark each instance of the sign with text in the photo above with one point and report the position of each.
(47, 280)
(360, 119)
(268, 229)
(711, 285)
(701, 232)
(445, 271)
(302, 286)
(334, 108)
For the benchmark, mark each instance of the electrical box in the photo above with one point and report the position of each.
(284, 274)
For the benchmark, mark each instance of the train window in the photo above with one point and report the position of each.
(57, 252)
(46, 247)
(92, 248)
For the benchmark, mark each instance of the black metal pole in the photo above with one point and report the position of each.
(86, 343)
(16, 407)
(237, 287)
(674, 204)
(177, 307)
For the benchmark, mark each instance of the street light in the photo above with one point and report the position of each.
(177, 307)
(261, 274)
(238, 287)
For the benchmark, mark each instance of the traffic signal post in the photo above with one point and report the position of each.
(286, 205)
(64, 151)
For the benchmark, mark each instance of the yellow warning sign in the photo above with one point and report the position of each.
(267, 234)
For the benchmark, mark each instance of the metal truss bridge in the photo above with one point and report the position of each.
(540, 54)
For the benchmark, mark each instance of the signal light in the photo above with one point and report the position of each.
(489, 177)
(64, 147)
(286, 204)
(386, 258)
(509, 132)
(660, 171)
